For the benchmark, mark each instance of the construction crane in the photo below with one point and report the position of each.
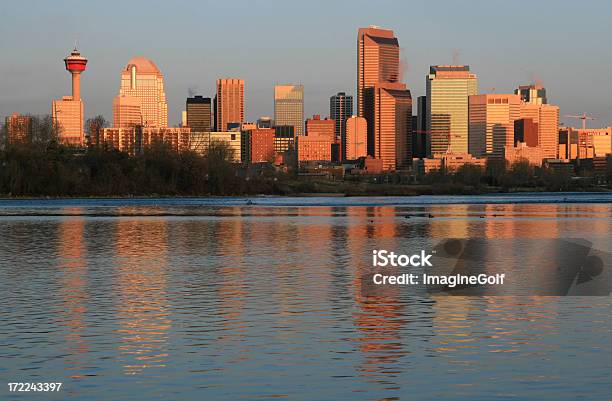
(582, 117)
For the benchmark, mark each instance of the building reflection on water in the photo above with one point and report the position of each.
(73, 290)
(380, 318)
(143, 315)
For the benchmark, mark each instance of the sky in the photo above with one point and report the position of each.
(563, 44)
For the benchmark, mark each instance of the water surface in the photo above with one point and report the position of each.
(190, 299)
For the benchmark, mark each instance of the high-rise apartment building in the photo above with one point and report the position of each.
(491, 123)
(534, 94)
(289, 106)
(340, 109)
(126, 112)
(141, 79)
(18, 129)
(388, 112)
(229, 103)
(377, 60)
(68, 113)
(448, 88)
(356, 138)
(199, 114)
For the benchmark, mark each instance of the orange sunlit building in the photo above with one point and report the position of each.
(261, 145)
(18, 129)
(377, 60)
(388, 112)
(491, 123)
(356, 138)
(229, 103)
(142, 81)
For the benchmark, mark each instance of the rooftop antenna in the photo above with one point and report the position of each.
(455, 57)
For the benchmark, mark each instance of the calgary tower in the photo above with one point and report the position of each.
(68, 112)
(76, 64)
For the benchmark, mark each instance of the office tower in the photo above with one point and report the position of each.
(289, 106)
(420, 143)
(126, 112)
(18, 129)
(546, 116)
(448, 88)
(356, 138)
(534, 94)
(491, 123)
(141, 79)
(264, 122)
(229, 103)
(68, 113)
(261, 145)
(377, 60)
(388, 112)
(340, 109)
(199, 114)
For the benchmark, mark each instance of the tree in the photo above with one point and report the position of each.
(469, 174)
(93, 126)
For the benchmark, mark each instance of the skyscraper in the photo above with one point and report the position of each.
(420, 142)
(385, 103)
(448, 88)
(377, 60)
(229, 103)
(388, 111)
(340, 109)
(126, 112)
(68, 112)
(141, 79)
(491, 123)
(546, 116)
(289, 106)
(199, 114)
(356, 138)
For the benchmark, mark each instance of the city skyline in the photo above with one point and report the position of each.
(323, 65)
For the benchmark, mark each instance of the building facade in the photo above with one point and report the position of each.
(141, 79)
(289, 106)
(200, 142)
(199, 114)
(491, 123)
(533, 94)
(340, 109)
(388, 112)
(448, 88)
(229, 103)
(261, 145)
(546, 116)
(377, 60)
(356, 139)
(126, 112)
(18, 129)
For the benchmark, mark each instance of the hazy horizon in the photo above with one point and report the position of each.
(314, 43)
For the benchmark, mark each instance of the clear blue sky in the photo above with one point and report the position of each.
(565, 44)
